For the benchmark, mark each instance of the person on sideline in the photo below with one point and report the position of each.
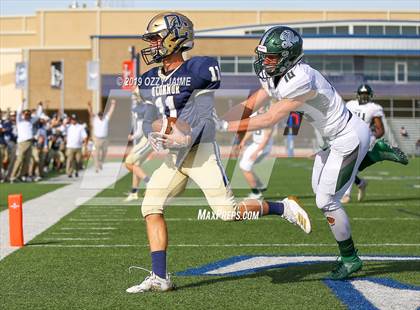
(76, 137)
(25, 125)
(100, 124)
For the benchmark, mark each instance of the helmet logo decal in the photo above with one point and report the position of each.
(177, 25)
(289, 39)
(262, 48)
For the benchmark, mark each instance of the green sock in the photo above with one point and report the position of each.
(346, 248)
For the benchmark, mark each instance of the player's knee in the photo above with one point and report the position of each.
(129, 166)
(149, 208)
(245, 166)
(151, 205)
(326, 202)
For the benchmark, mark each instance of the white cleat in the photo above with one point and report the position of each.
(345, 199)
(131, 197)
(361, 190)
(295, 214)
(152, 283)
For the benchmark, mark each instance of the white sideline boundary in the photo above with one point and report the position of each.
(41, 213)
(244, 245)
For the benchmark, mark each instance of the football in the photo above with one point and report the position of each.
(165, 125)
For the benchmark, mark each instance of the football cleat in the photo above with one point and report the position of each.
(131, 197)
(345, 199)
(295, 214)
(345, 266)
(383, 151)
(361, 190)
(151, 283)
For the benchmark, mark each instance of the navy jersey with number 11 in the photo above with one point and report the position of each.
(185, 93)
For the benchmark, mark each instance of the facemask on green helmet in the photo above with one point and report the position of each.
(280, 48)
(364, 94)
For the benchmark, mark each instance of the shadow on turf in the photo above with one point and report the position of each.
(41, 243)
(409, 212)
(312, 272)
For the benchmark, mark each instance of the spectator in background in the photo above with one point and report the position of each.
(100, 124)
(38, 146)
(10, 135)
(403, 132)
(25, 122)
(76, 137)
(56, 150)
(3, 146)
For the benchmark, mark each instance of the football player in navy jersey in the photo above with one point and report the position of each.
(184, 90)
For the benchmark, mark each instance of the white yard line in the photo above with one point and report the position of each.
(88, 228)
(192, 219)
(41, 213)
(71, 239)
(84, 233)
(251, 245)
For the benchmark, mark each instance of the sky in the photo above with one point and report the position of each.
(29, 7)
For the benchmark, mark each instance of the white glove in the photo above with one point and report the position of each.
(156, 141)
(176, 140)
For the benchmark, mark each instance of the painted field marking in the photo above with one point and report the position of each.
(192, 219)
(88, 228)
(256, 245)
(84, 233)
(246, 264)
(78, 239)
(375, 293)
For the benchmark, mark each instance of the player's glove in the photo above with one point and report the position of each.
(156, 141)
(176, 140)
(220, 124)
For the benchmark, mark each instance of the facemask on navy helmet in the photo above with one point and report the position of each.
(167, 33)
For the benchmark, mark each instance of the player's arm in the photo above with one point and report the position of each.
(204, 108)
(90, 111)
(276, 112)
(247, 107)
(111, 109)
(267, 136)
(150, 114)
(38, 113)
(379, 127)
(246, 137)
(261, 146)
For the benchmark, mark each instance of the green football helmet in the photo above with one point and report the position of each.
(281, 41)
(364, 94)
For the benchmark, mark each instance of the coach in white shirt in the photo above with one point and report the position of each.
(24, 123)
(76, 137)
(100, 124)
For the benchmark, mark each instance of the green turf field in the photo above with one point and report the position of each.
(29, 191)
(82, 261)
